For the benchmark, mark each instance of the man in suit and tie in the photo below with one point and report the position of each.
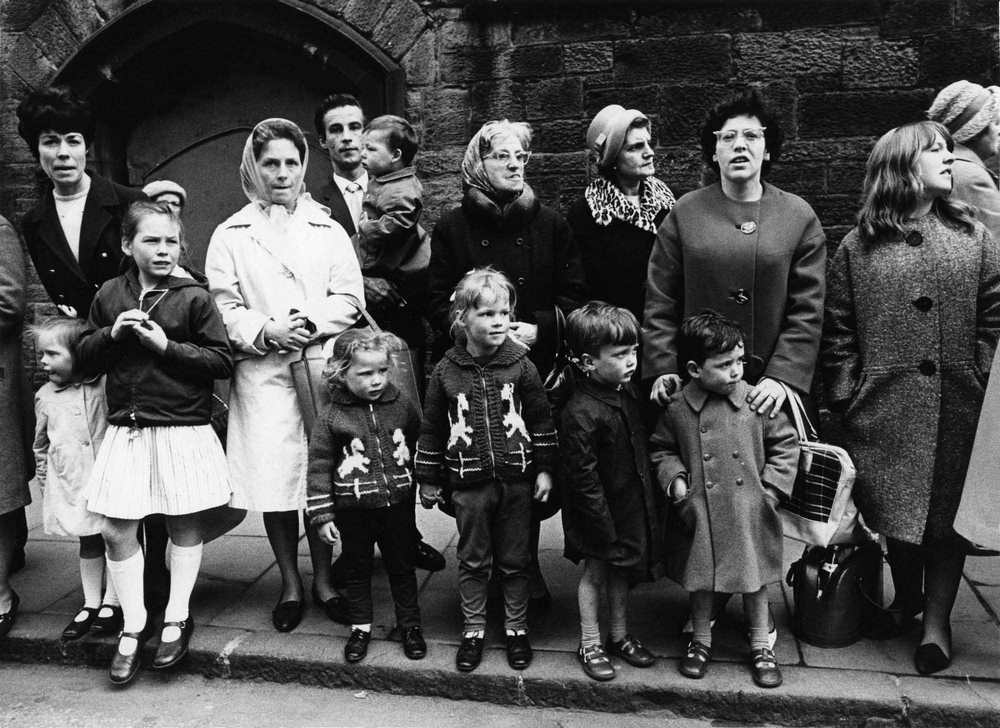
(340, 124)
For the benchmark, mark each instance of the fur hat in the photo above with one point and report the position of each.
(964, 108)
(154, 189)
(606, 133)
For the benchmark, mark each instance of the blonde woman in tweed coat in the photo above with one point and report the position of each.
(912, 320)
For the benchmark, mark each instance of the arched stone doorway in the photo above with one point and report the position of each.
(177, 87)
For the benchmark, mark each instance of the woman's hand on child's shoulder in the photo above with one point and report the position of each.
(328, 533)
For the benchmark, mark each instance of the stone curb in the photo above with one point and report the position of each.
(810, 696)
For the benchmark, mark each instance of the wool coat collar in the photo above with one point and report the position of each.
(696, 396)
(514, 215)
(508, 353)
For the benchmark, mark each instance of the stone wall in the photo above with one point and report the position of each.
(839, 71)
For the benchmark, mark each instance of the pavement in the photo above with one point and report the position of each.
(870, 683)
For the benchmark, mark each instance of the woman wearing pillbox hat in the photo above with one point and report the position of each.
(970, 113)
(616, 218)
(165, 190)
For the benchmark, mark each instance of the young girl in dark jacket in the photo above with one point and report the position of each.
(488, 434)
(360, 488)
(156, 332)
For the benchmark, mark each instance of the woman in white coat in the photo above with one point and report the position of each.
(284, 275)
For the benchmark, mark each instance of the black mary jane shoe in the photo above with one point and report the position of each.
(79, 627)
(111, 624)
(169, 654)
(335, 607)
(357, 645)
(287, 615)
(7, 618)
(124, 667)
(631, 650)
(764, 667)
(414, 645)
(930, 658)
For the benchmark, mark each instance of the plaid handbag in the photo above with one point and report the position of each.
(820, 511)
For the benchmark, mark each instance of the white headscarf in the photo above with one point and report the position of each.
(252, 181)
(473, 170)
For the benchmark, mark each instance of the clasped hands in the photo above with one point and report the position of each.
(290, 333)
(149, 333)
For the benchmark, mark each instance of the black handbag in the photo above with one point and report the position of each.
(837, 592)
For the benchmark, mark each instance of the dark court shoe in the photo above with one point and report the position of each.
(595, 662)
(80, 625)
(519, 652)
(414, 645)
(111, 623)
(124, 667)
(357, 645)
(169, 654)
(930, 658)
(470, 654)
(8, 617)
(428, 557)
(631, 650)
(287, 615)
(335, 607)
(766, 672)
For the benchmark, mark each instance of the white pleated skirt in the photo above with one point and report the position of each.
(169, 470)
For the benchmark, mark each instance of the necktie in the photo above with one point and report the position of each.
(354, 200)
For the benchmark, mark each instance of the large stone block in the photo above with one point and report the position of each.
(968, 53)
(533, 61)
(496, 100)
(569, 25)
(398, 29)
(51, 34)
(680, 167)
(858, 113)
(81, 16)
(365, 14)
(440, 163)
(334, 7)
(466, 33)
(561, 135)
(848, 151)
(445, 115)
(682, 59)
(682, 110)
(906, 17)
(27, 60)
(19, 14)
(556, 98)
(836, 209)
(420, 62)
(976, 12)
(805, 180)
(596, 97)
(779, 55)
(590, 57)
(559, 162)
(872, 63)
(846, 177)
(464, 64)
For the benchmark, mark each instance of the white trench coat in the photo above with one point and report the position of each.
(258, 271)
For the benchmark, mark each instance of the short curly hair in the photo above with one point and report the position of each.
(747, 103)
(55, 108)
(354, 340)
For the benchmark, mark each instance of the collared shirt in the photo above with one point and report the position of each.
(353, 192)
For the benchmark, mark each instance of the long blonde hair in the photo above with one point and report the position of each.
(893, 187)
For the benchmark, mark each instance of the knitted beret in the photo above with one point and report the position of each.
(965, 109)
(606, 133)
(154, 189)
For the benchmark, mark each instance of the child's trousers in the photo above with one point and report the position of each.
(493, 533)
(392, 529)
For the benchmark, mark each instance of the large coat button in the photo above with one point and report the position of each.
(914, 238)
(924, 303)
(927, 368)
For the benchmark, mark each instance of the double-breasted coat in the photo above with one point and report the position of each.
(16, 417)
(910, 331)
(257, 272)
(726, 534)
(609, 509)
(69, 281)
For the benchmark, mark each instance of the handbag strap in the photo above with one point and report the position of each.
(803, 425)
(364, 314)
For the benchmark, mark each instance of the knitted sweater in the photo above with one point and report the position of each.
(485, 422)
(360, 454)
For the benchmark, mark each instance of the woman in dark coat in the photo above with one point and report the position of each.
(614, 222)
(912, 320)
(501, 223)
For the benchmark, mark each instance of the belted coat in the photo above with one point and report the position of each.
(910, 330)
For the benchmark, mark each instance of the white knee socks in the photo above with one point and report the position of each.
(127, 578)
(185, 562)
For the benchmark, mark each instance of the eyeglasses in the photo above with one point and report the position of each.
(728, 137)
(504, 157)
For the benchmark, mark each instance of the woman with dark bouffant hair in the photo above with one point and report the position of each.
(912, 321)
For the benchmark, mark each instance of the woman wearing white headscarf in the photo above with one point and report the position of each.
(283, 275)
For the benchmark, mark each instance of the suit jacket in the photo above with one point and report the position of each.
(66, 280)
(331, 196)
